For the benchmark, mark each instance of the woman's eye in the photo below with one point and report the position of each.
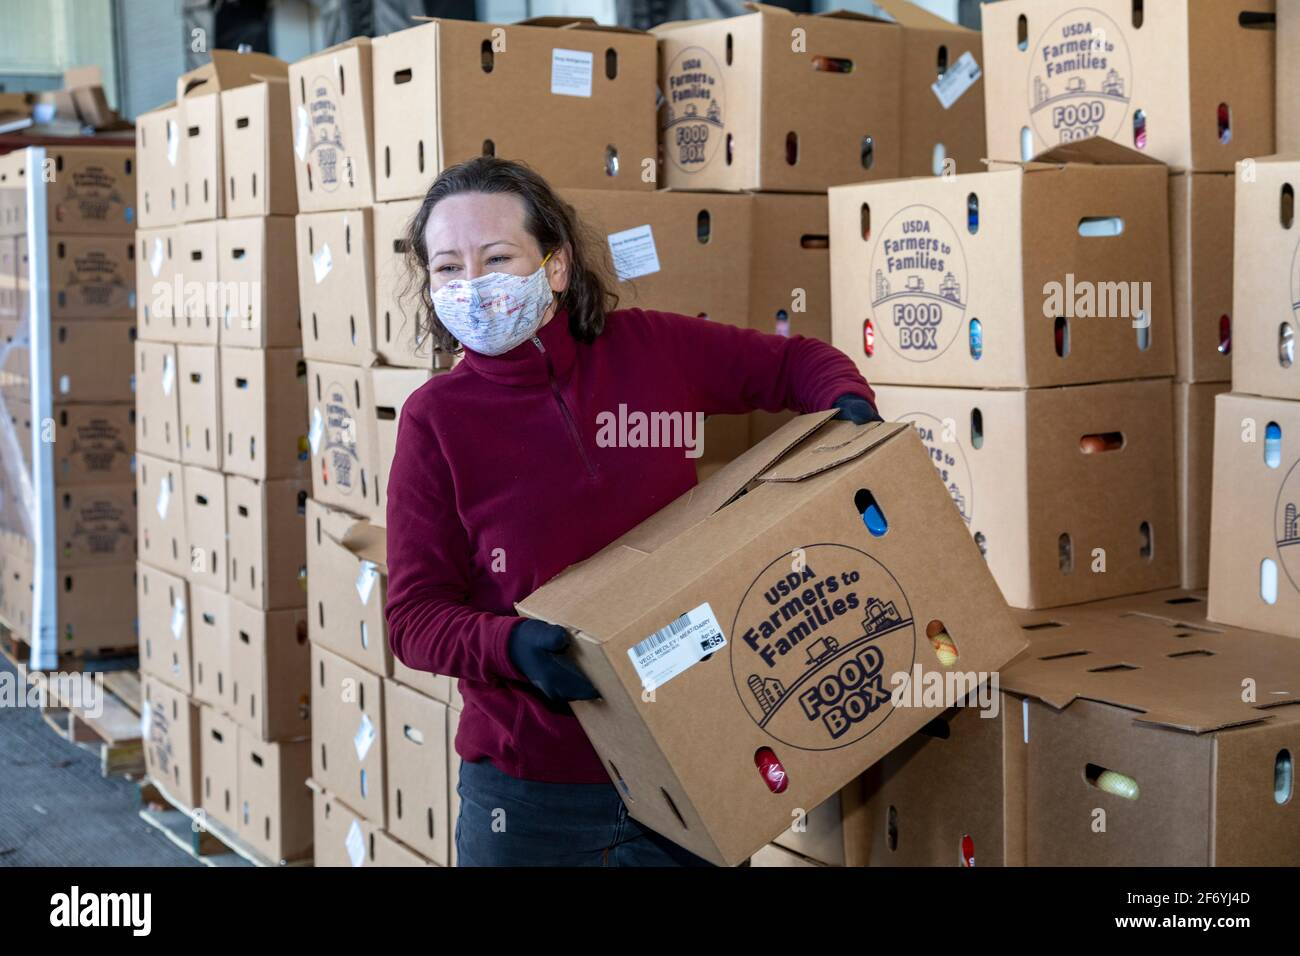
(498, 259)
(447, 268)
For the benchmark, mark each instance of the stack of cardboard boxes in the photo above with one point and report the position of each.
(222, 469)
(1077, 490)
(88, 497)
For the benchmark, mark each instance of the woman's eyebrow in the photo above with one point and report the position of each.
(494, 242)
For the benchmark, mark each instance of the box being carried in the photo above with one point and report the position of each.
(745, 640)
(1188, 83)
(1054, 272)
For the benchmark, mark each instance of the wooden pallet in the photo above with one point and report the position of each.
(208, 841)
(18, 652)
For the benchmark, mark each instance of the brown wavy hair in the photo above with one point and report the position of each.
(548, 218)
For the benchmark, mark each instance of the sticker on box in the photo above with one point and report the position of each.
(956, 80)
(365, 736)
(366, 579)
(676, 647)
(321, 263)
(356, 844)
(571, 72)
(634, 252)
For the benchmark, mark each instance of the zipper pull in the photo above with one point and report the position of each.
(538, 343)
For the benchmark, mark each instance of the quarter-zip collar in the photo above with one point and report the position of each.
(526, 364)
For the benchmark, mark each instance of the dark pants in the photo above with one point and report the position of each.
(509, 822)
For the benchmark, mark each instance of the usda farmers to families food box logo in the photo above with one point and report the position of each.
(692, 124)
(333, 436)
(818, 634)
(1079, 78)
(320, 134)
(1286, 521)
(947, 456)
(918, 283)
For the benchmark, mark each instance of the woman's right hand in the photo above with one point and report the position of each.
(537, 649)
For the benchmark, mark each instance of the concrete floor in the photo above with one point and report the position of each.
(57, 810)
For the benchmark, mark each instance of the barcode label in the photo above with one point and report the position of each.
(678, 645)
(959, 78)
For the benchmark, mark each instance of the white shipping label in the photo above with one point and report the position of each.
(164, 497)
(322, 262)
(316, 430)
(356, 844)
(571, 72)
(679, 645)
(634, 253)
(300, 131)
(146, 719)
(173, 142)
(169, 373)
(366, 579)
(959, 78)
(365, 736)
(156, 258)
(178, 619)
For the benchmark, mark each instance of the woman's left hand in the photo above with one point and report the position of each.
(856, 409)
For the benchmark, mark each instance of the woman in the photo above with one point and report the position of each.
(498, 484)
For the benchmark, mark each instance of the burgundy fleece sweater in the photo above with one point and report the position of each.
(498, 484)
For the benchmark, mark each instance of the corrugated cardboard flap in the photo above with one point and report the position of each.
(367, 541)
(576, 23)
(1193, 683)
(832, 14)
(833, 445)
(227, 70)
(1094, 151)
(918, 18)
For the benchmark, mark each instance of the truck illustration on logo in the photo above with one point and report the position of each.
(1287, 526)
(1077, 85)
(822, 649)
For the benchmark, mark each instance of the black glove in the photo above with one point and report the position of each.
(856, 409)
(537, 649)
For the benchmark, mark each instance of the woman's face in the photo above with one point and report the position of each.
(472, 234)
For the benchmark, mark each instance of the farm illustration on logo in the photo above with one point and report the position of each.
(1286, 524)
(948, 458)
(918, 280)
(326, 144)
(692, 117)
(818, 639)
(1079, 79)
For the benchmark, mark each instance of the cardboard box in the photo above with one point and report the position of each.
(945, 132)
(389, 388)
(219, 759)
(1200, 222)
(569, 97)
(160, 497)
(198, 103)
(200, 404)
(1058, 72)
(266, 521)
(91, 614)
(743, 95)
(95, 525)
(259, 287)
(335, 285)
(953, 794)
(333, 117)
(93, 444)
(90, 190)
(1254, 541)
(820, 835)
(264, 413)
(1288, 75)
(157, 408)
(196, 284)
(987, 279)
(347, 730)
(270, 668)
(1005, 456)
(1194, 470)
(438, 686)
(10, 260)
(210, 647)
(346, 587)
(156, 269)
(163, 603)
(169, 726)
(774, 855)
(160, 167)
(453, 776)
(92, 277)
(345, 839)
(205, 526)
(342, 437)
(1203, 758)
(257, 150)
(90, 362)
(1265, 287)
(275, 815)
(416, 739)
(790, 278)
(396, 298)
(702, 561)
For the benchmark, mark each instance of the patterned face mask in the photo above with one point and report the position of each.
(494, 313)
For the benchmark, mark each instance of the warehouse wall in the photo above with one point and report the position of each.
(151, 51)
(41, 39)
